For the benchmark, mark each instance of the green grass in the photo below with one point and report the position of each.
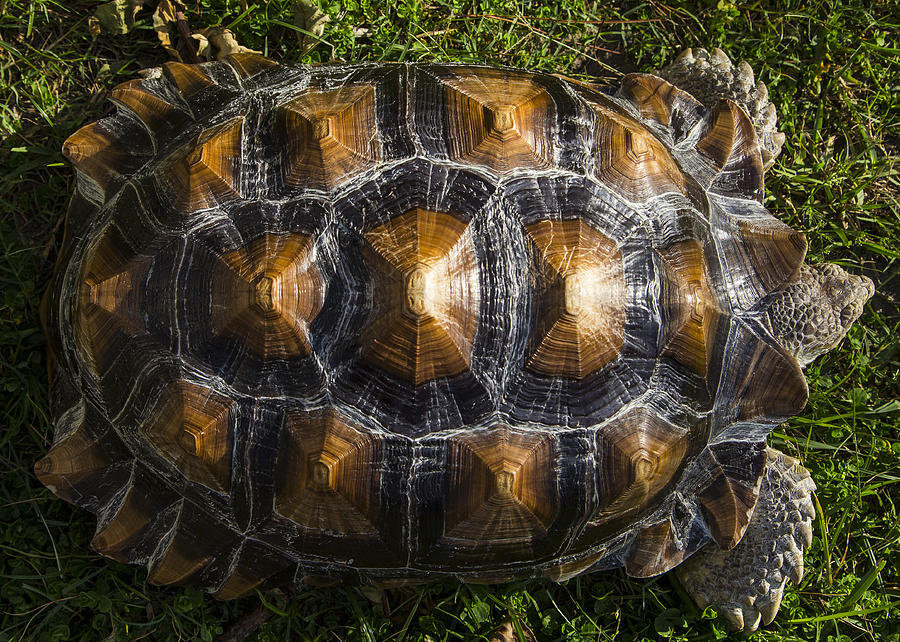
(833, 72)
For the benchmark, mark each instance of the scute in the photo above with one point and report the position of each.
(390, 323)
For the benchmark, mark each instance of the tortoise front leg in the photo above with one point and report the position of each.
(745, 584)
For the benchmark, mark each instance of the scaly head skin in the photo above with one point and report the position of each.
(813, 314)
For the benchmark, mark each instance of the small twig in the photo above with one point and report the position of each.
(188, 43)
(246, 625)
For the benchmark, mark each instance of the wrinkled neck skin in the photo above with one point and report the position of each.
(811, 315)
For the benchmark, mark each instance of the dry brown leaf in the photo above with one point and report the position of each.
(164, 21)
(94, 26)
(506, 632)
(215, 43)
(311, 19)
(116, 17)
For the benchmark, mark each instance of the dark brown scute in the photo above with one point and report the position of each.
(426, 283)
(267, 293)
(208, 171)
(689, 306)
(196, 539)
(110, 297)
(189, 80)
(137, 520)
(328, 475)
(328, 136)
(654, 551)
(639, 455)
(104, 153)
(250, 565)
(731, 144)
(728, 501)
(191, 426)
(652, 95)
(760, 381)
(500, 497)
(499, 119)
(631, 160)
(248, 64)
(774, 250)
(581, 300)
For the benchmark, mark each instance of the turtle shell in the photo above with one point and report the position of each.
(391, 323)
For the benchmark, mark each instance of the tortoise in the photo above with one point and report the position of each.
(392, 323)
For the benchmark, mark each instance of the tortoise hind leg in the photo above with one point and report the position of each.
(745, 584)
(711, 77)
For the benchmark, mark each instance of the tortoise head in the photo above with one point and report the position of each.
(812, 314)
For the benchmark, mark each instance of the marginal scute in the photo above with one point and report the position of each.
(655, 98)
(727, 506)
(110, 299)
(267, 293)
(690, 309)
(78, 463)
(251, 564)
(158, 115)
(248, 65)
(655, 550)
(103, 155)
(209, 171)
(760, 381)
(580, 303)
(731, 144)
(774, 250)
(192, 426)
(426, 296)
(328, 475)
(327, 136)
(498, 119)
(196, 540)
(500, 487)
(127, 534)
(190, 80)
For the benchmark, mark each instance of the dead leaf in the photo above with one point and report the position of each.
(219, 43)
(164, 23)
(94, 26)
(311, 19)
(117, 17)
(506, 632)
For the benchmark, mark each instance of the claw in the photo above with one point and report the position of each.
(686, 56)
(804, 530)
(720, 58)
(751, 620)
(734, 617)
(769, 610)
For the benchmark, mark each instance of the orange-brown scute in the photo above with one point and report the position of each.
(426, 296)
(630, 160)
(328, 475)
(328, 135)
(109, 300)
(499, 492)
(499, 120)
(689, 306)
(267, 293)
(209, 171)
(580, 300)
(192, 426)
(638, 456)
